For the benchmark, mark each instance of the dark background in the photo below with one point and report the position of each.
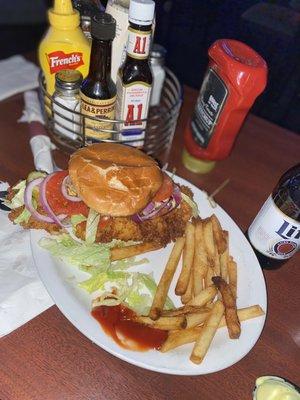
(187, 28)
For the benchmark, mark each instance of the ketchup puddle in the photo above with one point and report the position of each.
(117, 322)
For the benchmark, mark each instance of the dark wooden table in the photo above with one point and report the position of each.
(49, 359)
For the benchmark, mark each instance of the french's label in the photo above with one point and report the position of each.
(58, 60)
(138, 44)
(273, 233)
(132, 107)
(102, 109)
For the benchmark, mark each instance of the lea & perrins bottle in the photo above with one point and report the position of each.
(275, 232)
(235, 76)
(64, 45)
(134, 79)
(98, 91)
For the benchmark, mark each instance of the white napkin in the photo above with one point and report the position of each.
(17, 75)
(22, 294)
(40, 142)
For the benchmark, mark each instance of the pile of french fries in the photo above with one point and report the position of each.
(207, 285)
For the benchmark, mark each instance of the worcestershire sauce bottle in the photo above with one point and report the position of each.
(134, 78)
(275, 232)
(98, 91)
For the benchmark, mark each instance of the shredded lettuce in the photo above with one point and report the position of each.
(191, 203)
(23, 217)
(77, 219)
(135, 289)
(91, 226)
(18, 199)
(80, 254)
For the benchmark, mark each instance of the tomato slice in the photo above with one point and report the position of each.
(166, 189)
(56, 200)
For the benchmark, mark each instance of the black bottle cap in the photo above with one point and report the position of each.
(103, 26)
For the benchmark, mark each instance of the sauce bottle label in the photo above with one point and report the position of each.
(59, 60)
(273, 233)
(138, 44)
(98, 108)
(132, 106)
(209, 104)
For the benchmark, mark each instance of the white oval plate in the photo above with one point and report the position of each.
(61, 280)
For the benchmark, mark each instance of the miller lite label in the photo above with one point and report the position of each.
(273, 233)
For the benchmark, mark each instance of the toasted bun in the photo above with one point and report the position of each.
(114, 179)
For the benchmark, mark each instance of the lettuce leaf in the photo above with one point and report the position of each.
(77, 219)
(91, 226)
(135, 289)
(84, 255)
(23, 217)
(191, 203)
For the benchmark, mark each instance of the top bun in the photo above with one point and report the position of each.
(114, 179)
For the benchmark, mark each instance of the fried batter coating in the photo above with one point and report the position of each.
(161, 230)
(33, 223)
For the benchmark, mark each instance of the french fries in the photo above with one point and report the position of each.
(232, 275)
(203, 297)
(197, 318)
(164, 323)
(190, 334)
(246, 313)
(200, 262)
(219, 238)
(183, 310)
(232, 320)
(165, 280)
(188, 255)
(179, 338)
(207, 285)
(119, 253)
(207, 333)
(224, 258)
(187, 296)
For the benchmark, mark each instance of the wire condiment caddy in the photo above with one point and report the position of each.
(67, 128)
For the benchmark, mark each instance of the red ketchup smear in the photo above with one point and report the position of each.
(117, 322)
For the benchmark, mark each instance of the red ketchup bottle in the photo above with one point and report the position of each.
(236, 75)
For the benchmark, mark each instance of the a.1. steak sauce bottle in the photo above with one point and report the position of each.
(134, 80)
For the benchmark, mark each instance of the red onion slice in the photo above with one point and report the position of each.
(45, 205)
(155, 209)
(64, 190)
(28, 201)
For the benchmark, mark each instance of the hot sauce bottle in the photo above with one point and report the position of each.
(64, 45)
(134, 78)
(236, 75)
(98, 91)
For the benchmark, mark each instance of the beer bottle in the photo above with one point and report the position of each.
(134, 78)
(275, 232)
(98, 91)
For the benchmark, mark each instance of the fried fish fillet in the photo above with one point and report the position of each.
(160, 230)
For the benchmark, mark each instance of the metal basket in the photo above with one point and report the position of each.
(159, 131)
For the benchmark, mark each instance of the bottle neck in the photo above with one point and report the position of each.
(138, 42)
(100, 63)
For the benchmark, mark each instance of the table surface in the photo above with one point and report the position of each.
(48, 358)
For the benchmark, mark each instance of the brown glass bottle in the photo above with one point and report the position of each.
(98, 91)
(275, 232)
(134, 80)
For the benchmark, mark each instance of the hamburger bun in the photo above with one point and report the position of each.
(114, 179)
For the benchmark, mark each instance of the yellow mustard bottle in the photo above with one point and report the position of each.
(64, 45)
